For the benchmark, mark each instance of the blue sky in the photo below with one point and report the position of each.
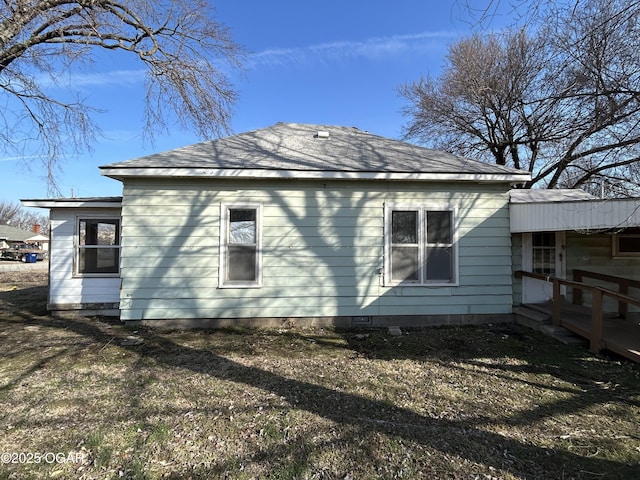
(329, 62)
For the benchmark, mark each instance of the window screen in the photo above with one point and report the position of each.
(421, 245)
(98, 246)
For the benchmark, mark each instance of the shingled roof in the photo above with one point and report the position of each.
(14, 234)
(291, 150)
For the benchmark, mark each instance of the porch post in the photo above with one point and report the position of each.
(577, 292)
(623, 307)
(596, 321)
(556, 307)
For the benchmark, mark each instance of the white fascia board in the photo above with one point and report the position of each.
(53, 203)
(120, 173)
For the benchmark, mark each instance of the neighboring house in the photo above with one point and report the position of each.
(12, 235)
(555, 232)
(291, 223)
(15, 242)
(38, 239)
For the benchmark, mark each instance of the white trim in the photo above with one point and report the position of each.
(222, 268)
(538, 291)
(120, 173)
(527, 249)
(421, 208)
(52, 203)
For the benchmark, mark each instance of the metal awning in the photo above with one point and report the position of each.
(558, 210)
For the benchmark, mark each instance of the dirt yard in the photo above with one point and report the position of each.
(23, 287)
(87, 399)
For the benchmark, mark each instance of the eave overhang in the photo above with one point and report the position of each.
(105, 202)
(120, 173)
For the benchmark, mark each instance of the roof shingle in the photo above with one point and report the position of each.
(293, 147)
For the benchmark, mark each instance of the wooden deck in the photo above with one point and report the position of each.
(618, 332)
(619, 335)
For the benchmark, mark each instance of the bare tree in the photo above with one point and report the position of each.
(178, 42)
(13, 214)
(562, 102)
(8, 211)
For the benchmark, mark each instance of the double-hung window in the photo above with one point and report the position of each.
(420, 245)
(98, 246)
(241, 245)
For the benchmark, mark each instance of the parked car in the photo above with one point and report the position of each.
(21, 252)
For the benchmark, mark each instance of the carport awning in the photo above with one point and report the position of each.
(536, 211)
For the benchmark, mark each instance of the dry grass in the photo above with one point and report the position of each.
(474, 402)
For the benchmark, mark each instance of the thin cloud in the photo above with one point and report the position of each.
(19, 159)
(372, 48)
(115, 77)
(100, 79)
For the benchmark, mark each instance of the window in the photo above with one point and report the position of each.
(420, 245)
(627, 243)
(240, 248)
(544, 253)
(98, 246)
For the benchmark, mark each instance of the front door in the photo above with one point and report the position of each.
(542, 253)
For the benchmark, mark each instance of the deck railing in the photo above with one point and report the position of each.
(624, 284)
(597, 295)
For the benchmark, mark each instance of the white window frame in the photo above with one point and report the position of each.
(616, 244)
(421, 208)
(225, 208)
(77, 247)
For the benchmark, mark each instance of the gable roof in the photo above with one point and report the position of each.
(291, 150)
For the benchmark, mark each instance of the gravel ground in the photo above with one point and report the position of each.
(14, 266)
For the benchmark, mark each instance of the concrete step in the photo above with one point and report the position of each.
(539, 320)
(531, 318)
(540, 307)
(563, 335)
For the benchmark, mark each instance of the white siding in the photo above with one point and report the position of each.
(68, 289)
(323, 245)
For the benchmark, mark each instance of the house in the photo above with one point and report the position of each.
(38, 239)
(297, 223)
(15, 243)
(11, 235)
